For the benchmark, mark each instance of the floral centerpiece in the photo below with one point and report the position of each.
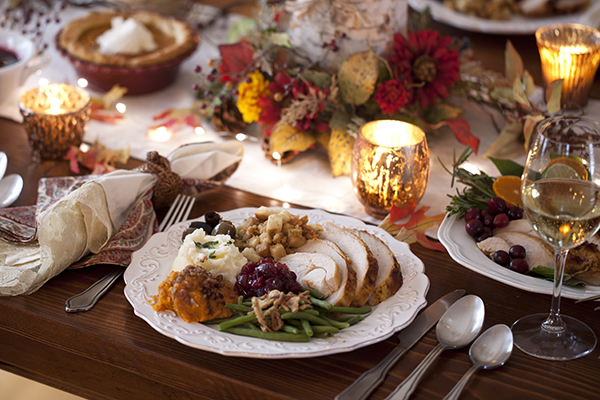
(300, 105)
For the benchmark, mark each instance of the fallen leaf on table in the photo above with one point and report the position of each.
(102, 108)
(175, 117)
(98, 158)
(413, 230)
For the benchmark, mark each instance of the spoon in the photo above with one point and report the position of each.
(10, 189)
(3, 163)
(492, 349)
(458, 327)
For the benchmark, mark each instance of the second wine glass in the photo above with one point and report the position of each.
(560, 195)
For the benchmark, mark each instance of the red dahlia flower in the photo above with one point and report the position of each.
(391, 96)
(426, 62)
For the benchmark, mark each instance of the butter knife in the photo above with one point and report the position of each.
(368, 381)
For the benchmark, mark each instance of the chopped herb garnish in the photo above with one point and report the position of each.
(207, 245)
(212, 255)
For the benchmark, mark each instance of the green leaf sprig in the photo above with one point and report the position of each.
(478, 190)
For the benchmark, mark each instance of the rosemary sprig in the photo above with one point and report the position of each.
(478, 190)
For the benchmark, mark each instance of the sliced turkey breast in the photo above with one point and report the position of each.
(493, 244)
(518, 225)
(362, 262)
(314, 270)
(537, 251)
(345, 293)
(389, 274)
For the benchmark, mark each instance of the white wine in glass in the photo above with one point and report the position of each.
(561, 199)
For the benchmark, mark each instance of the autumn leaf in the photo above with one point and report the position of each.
(412, 231)
(507, 144)
(440, 112)
(513, 63)
(340, 145)
(174, 118)
(236, 58)
(286, 138)
(553, 92)
(529, 124)
(357, 77)
(97, 158)
(102, 108)
(462, 131)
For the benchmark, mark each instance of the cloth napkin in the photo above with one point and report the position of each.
(80, 221)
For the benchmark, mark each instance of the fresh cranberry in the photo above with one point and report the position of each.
(517, 251)
(519, 265)
(497, 205)
(501, 220)
(474, 227)
(472, 213)
(515, 212)
(501, 257)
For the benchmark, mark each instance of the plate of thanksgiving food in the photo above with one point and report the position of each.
(276, 283)
(509, 16)
(486, 230)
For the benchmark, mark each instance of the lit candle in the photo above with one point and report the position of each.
(159, 134)
(570, 52)
(390, 165)
(55, 118)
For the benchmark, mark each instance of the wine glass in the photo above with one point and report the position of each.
(560, 195)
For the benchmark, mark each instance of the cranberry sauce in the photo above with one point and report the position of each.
(7, 57)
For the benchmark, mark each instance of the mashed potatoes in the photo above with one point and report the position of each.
(216, 254)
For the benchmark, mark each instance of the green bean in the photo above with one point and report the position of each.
(290, 329)
(240, 299)
(328, 329)
(320, 303)
(238, 307)
(236, 321)
(321, 335)
(282, 336)
(314, 293)
(337, 324)
(250, 325)
(355, 319)
(306, 327)
(303, 315)
(350, 310)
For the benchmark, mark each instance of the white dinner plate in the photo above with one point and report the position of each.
(463, 249)
(151, 264)
(517, 25)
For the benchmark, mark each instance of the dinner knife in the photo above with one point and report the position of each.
(368, 381)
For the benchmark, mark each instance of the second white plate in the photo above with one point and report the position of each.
(463, 249)
(517, 25)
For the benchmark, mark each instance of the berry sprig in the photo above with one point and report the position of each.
(31, 18)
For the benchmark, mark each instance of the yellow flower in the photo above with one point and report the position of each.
(249, 96)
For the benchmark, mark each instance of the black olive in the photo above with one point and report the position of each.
(212, 218)
(224, 228)
(187, 232)
(202, 225)
(197, 225)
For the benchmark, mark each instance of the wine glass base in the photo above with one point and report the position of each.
(577, 340)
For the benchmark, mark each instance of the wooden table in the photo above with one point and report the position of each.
(110, 353)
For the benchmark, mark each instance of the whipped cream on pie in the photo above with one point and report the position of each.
(126, 36)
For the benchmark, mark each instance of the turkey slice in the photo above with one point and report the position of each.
(537, 251)
(345, 293)
(362, 262)
(314, 270)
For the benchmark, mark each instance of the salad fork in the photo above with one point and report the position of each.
(84, 301)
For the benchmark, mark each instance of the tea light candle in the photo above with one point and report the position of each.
(570, 52)
(55, 118)
(390, 165)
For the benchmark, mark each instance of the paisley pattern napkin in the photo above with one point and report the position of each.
(81, 221)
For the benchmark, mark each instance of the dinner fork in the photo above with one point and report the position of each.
(84, 301)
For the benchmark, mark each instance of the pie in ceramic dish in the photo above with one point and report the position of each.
(138, 50)
(172, 36)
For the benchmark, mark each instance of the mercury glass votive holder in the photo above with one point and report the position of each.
(55, 118)
(390, 165)
(570, 52)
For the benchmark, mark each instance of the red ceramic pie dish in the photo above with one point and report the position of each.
(138, 80)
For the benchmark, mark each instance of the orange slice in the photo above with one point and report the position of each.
(508, 188)
(573, 163)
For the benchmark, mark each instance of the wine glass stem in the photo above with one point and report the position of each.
(554, 323)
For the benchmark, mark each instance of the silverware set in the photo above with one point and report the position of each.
(459, 321)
